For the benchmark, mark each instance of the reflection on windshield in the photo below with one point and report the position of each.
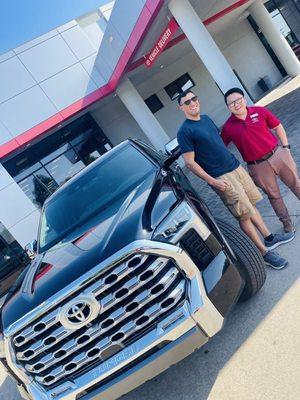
(91, 193)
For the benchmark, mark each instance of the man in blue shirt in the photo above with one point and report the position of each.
(207, 157)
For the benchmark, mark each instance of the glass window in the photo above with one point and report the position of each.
(81, 137)
(40, 169)
(181, 84)
(89, 149)
(101, 187)
(54, 154)
(65, 166)
(38, 186)
(28, 171)
(154, 103)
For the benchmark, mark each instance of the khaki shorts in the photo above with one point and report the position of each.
(241, 194)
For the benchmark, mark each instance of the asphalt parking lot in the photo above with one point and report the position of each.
(257, 354)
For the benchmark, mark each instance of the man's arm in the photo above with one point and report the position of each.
(189, 159)
(281, 134)
(275, 125)
(225, 135)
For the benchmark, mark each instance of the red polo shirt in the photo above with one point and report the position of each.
(252, 136)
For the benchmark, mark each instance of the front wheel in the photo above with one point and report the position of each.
(250, 261)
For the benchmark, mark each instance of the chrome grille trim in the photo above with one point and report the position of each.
(154, 284)
(52, 318)
(81, 359)
(29, 332)
(94, 332)
(107, 303)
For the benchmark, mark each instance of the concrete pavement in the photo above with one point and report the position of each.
(257, 354)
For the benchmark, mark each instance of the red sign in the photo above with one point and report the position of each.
(161, 43)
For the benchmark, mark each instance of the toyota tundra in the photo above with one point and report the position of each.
(132, 273)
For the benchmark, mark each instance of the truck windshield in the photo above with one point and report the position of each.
(92, 192)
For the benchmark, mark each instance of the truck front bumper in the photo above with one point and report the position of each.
(185, 329)
(153, 365)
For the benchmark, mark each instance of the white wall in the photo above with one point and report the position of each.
(117, 123)
(247, 55)
(42, 77)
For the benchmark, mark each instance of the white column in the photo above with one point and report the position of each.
(204, 45)
(141, 113)
(276, 40)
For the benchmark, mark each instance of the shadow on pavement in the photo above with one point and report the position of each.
(8, 390)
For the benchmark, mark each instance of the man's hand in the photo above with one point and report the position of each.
(219, 184)
(189, 159)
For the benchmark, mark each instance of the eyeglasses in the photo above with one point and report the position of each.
(236, 102)
(188, 102)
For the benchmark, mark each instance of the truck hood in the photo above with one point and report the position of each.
(132, 217)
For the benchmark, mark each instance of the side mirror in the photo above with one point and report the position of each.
(173, 151)
(31, 249)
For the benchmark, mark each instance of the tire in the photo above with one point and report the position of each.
(250, 261)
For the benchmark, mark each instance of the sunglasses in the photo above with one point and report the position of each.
(188, 102)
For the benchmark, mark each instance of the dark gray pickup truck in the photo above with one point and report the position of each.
(132, 273)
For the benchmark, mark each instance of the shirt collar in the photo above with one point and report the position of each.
(233, 118)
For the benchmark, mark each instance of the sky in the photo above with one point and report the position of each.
(23, 20)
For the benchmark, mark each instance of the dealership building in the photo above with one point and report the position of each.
(71, 94)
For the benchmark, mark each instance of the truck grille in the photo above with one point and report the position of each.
(132, 298)
(194, 245)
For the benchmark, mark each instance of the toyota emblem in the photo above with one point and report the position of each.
(79, 312)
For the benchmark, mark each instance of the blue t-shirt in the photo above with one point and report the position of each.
(204, 139)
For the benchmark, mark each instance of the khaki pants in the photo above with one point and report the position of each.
(265, 174)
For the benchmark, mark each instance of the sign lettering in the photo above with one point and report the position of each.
(161, 43)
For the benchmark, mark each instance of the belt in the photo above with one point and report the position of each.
(264, 158)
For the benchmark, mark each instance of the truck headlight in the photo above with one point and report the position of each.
(173, 223)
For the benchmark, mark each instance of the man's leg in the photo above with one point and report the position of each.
(249, 229)
(272, 259)
(271, 241)
(259, 223)
(286, 169)
(264, 177)
(253, 195)
(239, 204)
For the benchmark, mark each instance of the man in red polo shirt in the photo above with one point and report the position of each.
(266, 153)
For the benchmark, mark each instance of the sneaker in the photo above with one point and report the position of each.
(289, 226)
(274, 260)
(278, 239)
